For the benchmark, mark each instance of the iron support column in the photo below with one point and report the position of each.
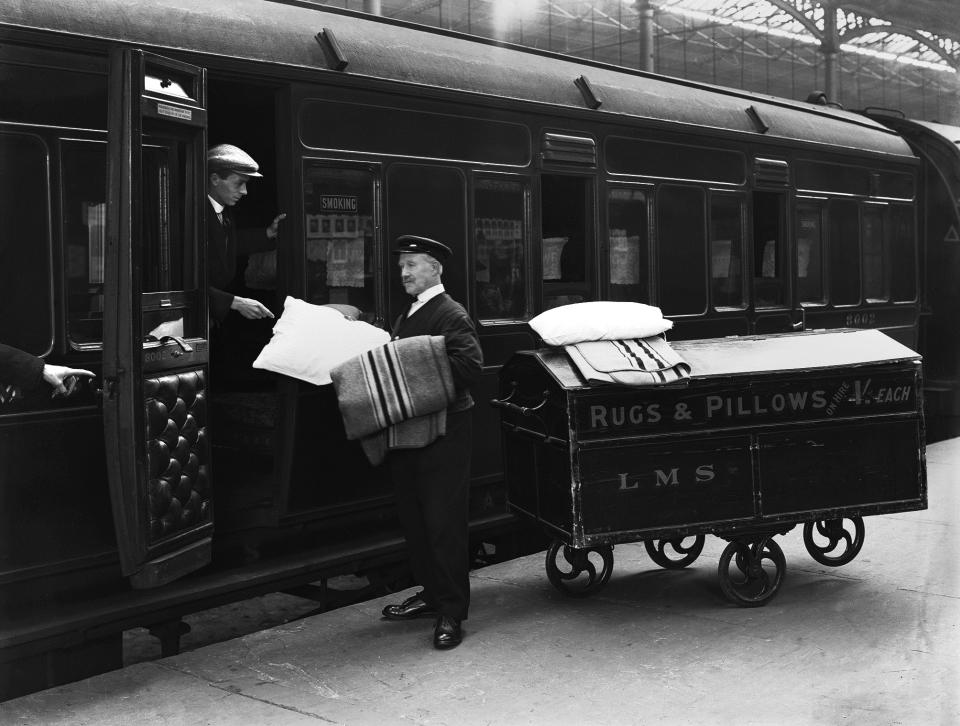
(830, 47)
(645, 32)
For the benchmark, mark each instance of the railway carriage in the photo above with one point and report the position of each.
(938, 216)
(183, 478)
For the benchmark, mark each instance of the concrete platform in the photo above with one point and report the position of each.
(874, 642)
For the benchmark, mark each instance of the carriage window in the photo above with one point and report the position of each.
(810, 254)
(84, 219)
(339, 244)
(844, 252)
(25, 282)
(903, 254)
(769, 265)
(42, 91)
(629, 246)
(330, 124)
(500, 261)
(726, 250)
(566, 210)
(674, 161)
(681, 227)
(170, 302)
(431, 201)
(874, 279)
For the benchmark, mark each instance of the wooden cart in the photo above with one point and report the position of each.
(819, 428)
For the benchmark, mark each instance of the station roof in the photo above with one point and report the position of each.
(285, 33)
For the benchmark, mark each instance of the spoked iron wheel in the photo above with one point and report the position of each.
(751, 573)
(830, 534)
(581, 572)
(688, 549)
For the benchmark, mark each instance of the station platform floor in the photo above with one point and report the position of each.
(874, 642)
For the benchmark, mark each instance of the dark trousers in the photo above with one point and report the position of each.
(433, 496)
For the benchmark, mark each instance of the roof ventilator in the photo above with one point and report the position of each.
(586, 90)
(771, 172)
(566, 149)
(758, 122)
(331, 49)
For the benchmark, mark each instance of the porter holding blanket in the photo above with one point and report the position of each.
(433, 482)
(396, 396)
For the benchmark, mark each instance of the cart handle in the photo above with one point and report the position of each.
(532, 411)
(522, 410)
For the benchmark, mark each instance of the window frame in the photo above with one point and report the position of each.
(741, 198)
(589, 285)
(880, 210)
(299, 246)
(832, 271)
(49, 288)
(526, 182)
(892, 251)
(704, 247)
(649, 261)
(819, 205)
(62, 218)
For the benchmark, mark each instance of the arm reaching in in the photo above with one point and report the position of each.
(250, 308)
(63, 379)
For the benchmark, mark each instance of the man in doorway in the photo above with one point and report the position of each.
(433, 483)
(229, 168)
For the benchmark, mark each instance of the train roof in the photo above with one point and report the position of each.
(950, 134)
(284, 32)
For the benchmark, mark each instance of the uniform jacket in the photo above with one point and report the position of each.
(18, 368)
(224, 243)
(442, 315)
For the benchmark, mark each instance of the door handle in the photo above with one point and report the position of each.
(185, 347)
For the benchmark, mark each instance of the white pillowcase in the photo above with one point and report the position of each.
(308, 340)
(600, 320)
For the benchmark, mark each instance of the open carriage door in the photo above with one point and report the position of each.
(155, 319)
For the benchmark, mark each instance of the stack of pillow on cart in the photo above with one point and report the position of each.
(614, 342)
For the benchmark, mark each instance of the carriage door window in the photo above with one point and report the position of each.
(902, 243)
(726, 251)
(429, 201)
(809, 236)
(629, 245)
(500, 251)
(26, 297)
(170, 303)
(339, 244)
(565, 226)
(84, 219)
(769, 263)
(874, 277)
(844, 252)
(681, 235)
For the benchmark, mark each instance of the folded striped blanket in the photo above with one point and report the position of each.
(634, 362)
(414, 433)
(396, 382)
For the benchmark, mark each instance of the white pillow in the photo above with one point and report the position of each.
(600, 320)
(308, 340)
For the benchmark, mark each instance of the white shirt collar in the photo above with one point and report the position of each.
(217, 207)
(424, 297)
(430, 293)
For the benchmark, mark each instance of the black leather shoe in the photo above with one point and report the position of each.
(447, 633)
(412, 607)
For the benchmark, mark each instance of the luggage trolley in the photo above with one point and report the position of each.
(820, 428)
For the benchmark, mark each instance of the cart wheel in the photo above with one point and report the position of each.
(688, 553)
(835, 532)
(579, 578)
(760, 567)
